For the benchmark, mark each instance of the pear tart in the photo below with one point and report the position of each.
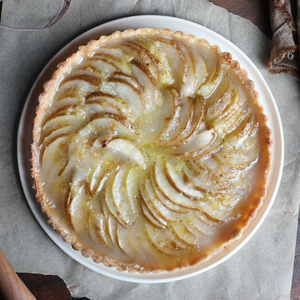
(150, 150)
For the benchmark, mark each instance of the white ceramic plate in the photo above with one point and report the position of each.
(174, 24)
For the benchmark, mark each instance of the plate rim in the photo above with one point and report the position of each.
(76, 255)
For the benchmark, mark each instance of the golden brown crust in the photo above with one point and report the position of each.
(45, 99)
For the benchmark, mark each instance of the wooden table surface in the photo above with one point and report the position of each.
(48, 287)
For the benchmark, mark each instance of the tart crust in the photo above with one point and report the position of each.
(50, 89)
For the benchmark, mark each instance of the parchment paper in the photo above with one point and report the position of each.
(260, 270)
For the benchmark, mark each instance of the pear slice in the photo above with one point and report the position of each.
(242, 132)
(200, 67)
(130, 80)
(149, 246)
(147, 80)
(132, 188)
(169, 192)
(171, 59)
(48, 149)
(129, 83)
(151, 208)
(195, 70)
(229, 115)
(180, 128)
(116, 62)
(179, 184)
(149, 216)
(69, 93)
(102, 102)
(52, 133)
(96, 229)
(203, 182)
(97, 179)
(104, 129)
(198, 120)
(214, 208)
(152, 63)
(63, 115)
(196, 224)
(61, 124)
(185, 234)
(117, 125)
(112, 229)
(105, 67)
(164, 113)
(189, 76)
(78, 208)
(172, 48)
(101, 230)
(92, 227)
(115, 51)
(224, 88)
(87, 78)
(214, 75)
(127, 93)
(218, 101)
(129, 150)
(156, 206)
(197, 146)
(160, 239)
(120, 195)
(165, 201)
(236, 160)
(134, 238)
(211, 222)
(123, 219)
(180, 122)
(124, 243)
